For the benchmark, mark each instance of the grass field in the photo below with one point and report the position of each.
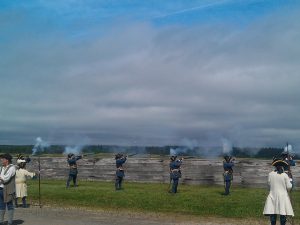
(191, 199)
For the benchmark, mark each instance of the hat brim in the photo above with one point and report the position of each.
(21, 161)
(279, 163)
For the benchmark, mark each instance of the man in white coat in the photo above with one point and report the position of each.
(278, 201)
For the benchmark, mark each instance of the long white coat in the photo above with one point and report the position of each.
(278, 200)
(21, 186)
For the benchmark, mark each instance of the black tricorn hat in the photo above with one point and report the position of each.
(173, 157)
(118, 155)
(279, 162)
(70, 155)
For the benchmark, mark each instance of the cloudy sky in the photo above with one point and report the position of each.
(150, 72)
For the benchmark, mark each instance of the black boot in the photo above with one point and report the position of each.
(273, 219)
(24, 202)
(282, 220)
(16, 202)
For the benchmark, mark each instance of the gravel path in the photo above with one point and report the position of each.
(61, 216)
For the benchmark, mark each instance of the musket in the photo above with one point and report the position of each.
(189, 157)
(88, 154)
(133, 154)
(39, 177)
(291, 220)
(288, 161)
(39, 161)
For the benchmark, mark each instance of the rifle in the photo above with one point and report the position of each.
(39, 161)
(88, 154)
(189, 157)
(133, 154)
(291, 219)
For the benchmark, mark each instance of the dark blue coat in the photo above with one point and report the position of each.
(228, 170)
(175, 165)
(73, 165)
(291, 162)
(119, 165)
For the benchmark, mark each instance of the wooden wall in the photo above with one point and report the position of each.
(247, 172)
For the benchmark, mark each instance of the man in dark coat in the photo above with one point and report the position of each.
(288, 158)
(120, 160)
(72, 161)
(175, 172)
(228, 173)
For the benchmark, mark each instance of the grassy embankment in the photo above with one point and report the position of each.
(192, 200)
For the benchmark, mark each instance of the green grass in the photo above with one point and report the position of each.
(191, 199)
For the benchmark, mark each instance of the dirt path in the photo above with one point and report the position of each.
(60, 216)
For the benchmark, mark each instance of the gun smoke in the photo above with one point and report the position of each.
(185, 146)
(39, 146)
(227, 146)
(76, 150)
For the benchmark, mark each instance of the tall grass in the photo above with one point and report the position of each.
(191, 199)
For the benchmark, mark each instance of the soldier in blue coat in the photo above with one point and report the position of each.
(120, 160)
(228, 173)
(175, 172)
(288, 159)
(290, 162)
(72, 161)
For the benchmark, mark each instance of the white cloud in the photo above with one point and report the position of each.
(158, 85)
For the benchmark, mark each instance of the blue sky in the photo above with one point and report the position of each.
(77, 18)
(150, 72)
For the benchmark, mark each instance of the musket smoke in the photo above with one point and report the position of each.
(186, 145)
(227, 146)
(39, 146)
(288, 148)
(76, 150)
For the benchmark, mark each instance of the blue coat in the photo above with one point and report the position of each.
(291, 162)
(119, 165)
(73, 165)
(228, 170)
(175, 172)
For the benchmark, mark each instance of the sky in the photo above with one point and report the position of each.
(152, 72)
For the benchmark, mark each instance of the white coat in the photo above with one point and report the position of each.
(278, 200)
(21, 186)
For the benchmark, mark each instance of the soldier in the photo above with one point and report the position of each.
(21, 176)
(278, 201)
(120, 160)
(72, 161)
(228, 173)
(288, 158)
(7, 187)
(175, 172)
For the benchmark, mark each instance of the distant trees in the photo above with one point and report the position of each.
(265, 153)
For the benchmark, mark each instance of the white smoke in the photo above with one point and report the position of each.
(76, 150)
(39, 146)
(288, 148)
(227, 146)
(185, 146)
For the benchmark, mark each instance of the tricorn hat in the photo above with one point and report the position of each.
(279, 162)
(70, 155)
(173, 157)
